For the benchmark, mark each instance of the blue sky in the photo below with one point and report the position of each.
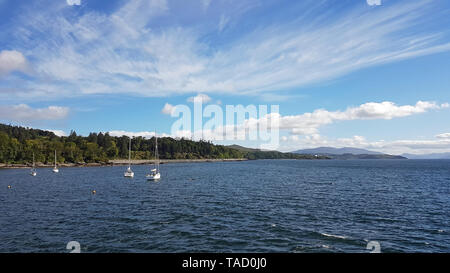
(344, 73)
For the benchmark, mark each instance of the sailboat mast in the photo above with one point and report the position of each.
(55, 159)
(156, 153)
(129, 155)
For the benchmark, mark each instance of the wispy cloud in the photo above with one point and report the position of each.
(123, 52)
(25, 113)
(223, 22)
(374, 2)
(206, 4)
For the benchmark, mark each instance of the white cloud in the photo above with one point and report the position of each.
(387, 110)
(304, 128)
(132, 134)
(144, 134)
(200, 97)
(73, 2)
(168, 109)
(444, 135)
(147, 134)
(124, 54)
(309, 123)
(12, 60)
(58, 132)
(25, 113)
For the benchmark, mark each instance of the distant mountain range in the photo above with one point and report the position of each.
(356, 153)
(252, 153)
(428, 156)
(336, 151)
(347, 153)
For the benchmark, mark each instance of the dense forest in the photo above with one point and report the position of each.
(17, 145)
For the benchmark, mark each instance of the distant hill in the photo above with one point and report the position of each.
(428, 156)
(365, 156)
(336, 151)
(347, 153)
(252, 153)
(242, 148)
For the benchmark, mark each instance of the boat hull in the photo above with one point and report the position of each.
(128, 174)
(156, 176)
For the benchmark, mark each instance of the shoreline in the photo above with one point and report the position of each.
(118, 162)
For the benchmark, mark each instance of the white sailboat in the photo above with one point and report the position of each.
(129, 172)
(55, 169)
(33, 171)
(154, 173)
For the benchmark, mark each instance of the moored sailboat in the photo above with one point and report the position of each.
(129, 172)
(55, 168)
(154, 173)
(33, 171)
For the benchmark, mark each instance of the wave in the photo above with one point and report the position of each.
(334, 236)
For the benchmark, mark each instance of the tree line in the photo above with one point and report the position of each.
(17, 145)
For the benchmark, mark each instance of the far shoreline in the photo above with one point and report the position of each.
(118, 162)
(125, 162)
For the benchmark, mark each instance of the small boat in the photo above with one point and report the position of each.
(129, 172)
(154, 173)
(55, 169)
(33, 171)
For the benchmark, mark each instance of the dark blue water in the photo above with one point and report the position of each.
(255, 206)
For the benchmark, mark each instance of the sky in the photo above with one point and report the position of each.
(372, 74)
